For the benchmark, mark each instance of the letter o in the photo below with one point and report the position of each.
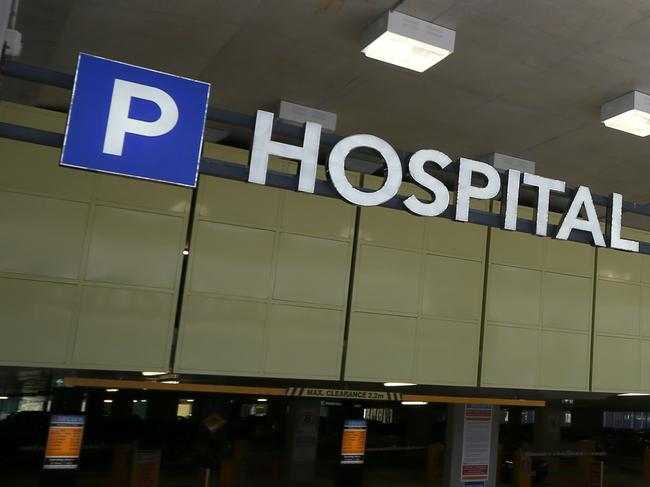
(336, 166)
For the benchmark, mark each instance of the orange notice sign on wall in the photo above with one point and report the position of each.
(353, 446)
(64, 442)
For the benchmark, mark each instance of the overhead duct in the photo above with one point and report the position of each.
(10, 38)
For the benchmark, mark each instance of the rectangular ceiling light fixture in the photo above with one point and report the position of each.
(629, 113)
(503, 162)
(295, 114)
(406, 41)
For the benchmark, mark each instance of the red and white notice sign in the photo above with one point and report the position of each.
(476, 442)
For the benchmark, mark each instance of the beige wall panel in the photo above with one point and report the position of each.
(547, 285)
(61, 234)
(513, 295)
(143, 194)
(225, 153)
(293, 167)
(41, 236)
(523, 212)
(36, 321)
(387, 279)
(21, 161)
(405, 189)
(622, 320)
(617, 364)
(567, 302)
(617, 308)
(380, 347)
(446, 352)
(510, 356)
(564, 360)
(317, 215)
(222, 336)
(569, 258)
(232, 260)
(135, 248)
(633, 233)
(645, 365)
(645, 263)
(390, 227)
(311, 270)
(516, 248)
(304, 342)
(431, 270)
(314, 215)
(645, 312)
(289, 252)
(123, 329)
(452, 288)
(614, 264)
(237, 202)
(447, 237)
(32, 117)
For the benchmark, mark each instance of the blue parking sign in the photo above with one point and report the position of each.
(135, 122)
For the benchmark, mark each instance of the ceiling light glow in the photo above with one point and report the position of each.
(398, 384)
(406, 41)
(629, 113)
(153, 374)
(414, 403)
(632, 394)
(112, 390)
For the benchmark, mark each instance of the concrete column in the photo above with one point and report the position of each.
(302, 439)
(547, 432)
(65, 402)
(454, 446)
(162, 407)
(418, 424)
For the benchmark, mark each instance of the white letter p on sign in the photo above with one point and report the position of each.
(119, 123)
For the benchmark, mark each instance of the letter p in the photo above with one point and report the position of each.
(119, 124)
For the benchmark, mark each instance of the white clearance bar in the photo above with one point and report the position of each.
(307, 154)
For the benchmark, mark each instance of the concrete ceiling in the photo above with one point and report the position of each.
(527, 77)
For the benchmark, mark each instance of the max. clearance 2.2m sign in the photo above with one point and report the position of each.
(146, 124)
